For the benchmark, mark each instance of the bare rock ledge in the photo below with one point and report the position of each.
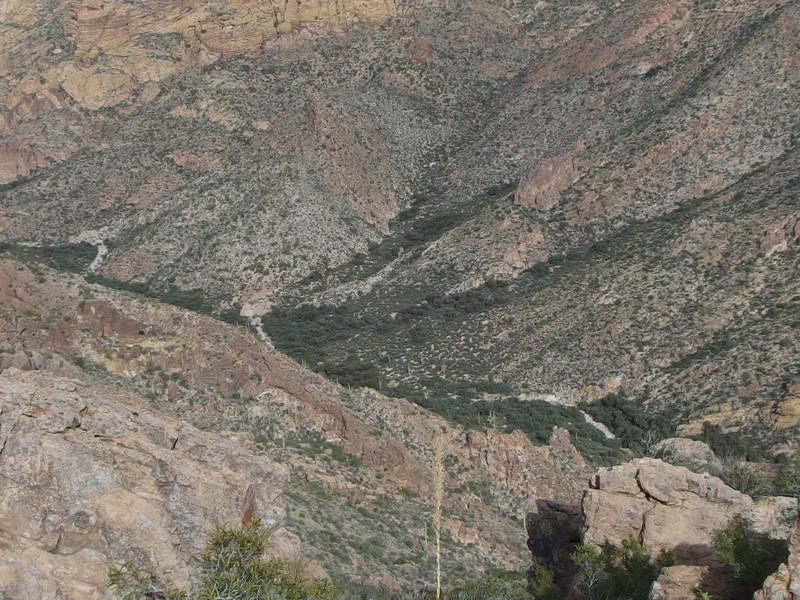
(89, 475)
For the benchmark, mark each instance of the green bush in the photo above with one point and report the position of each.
(745, 479)
(626, 572)
(195, 300)
(634, 427)
(63, 257)
(752, 556)
(541, 582)
(788, 483)
(131, 582)
(495, 585)
(232, 567)
(731, 445)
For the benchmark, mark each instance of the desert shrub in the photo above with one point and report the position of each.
(731, 445)
(752, 556)
(611, 573)
(634, 427)
(63, 257)
(745, 479)
(495, 585)
(535, 418)
(232, 567)
(542, 586)
(195, 300)
(353, 372)
(788, 483)
(307, 332)
(131, 582)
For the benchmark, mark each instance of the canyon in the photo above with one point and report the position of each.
(258, 257)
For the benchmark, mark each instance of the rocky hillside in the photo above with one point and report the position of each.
(631, 244)
(345, 471)
(92, 475)
(264, 254)
(569, 198)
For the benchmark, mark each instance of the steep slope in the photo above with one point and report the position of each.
(92, 476)
(358, 488)
(236, 157)
(690, 311)
(561, 199)
(649, 245)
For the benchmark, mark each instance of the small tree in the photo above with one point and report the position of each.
(753, 556)
(495, 585)
(624, 572)
(542, 586)
(788, 483)
(745, 479)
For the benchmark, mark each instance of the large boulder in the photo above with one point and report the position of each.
(671, 508)
(693, 454)
(666, 507)
(90, 475)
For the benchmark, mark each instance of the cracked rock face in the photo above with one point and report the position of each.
(671, 508)
(89, 475)
(667, 507)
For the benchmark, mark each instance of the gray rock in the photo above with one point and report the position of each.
(90, 476)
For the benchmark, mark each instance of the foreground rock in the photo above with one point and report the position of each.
(784, 584)
(88, 475)
(671, 508)
(665, 507)
(359, 460)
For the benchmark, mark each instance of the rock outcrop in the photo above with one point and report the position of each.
(542, 188)
(90, 475)
(693, 454)
(787, 411)
(116, 46)
(667, 507)
(784, 584)
(671, 508)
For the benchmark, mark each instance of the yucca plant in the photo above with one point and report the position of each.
(438, 496)
(232, 569)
